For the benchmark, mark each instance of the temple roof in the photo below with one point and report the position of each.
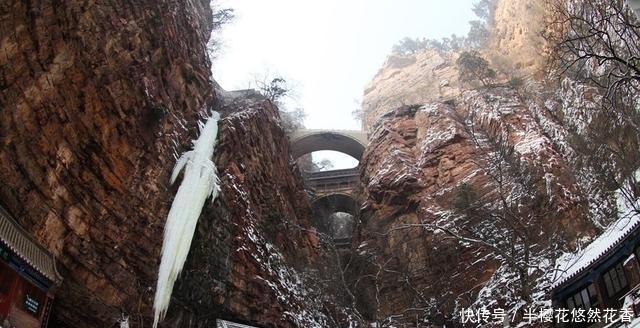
(19, 241)
(574, 265)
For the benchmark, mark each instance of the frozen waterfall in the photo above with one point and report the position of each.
(199, 181)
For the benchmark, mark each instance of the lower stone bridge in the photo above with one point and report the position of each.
(331, 182)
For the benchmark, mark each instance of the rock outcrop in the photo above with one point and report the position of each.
(515, 49)
(462, 184)
(419, 161)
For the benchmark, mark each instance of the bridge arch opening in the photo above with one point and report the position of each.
(308, 141)
(328, 160)
(334, 215)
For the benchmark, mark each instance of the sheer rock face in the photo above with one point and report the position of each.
(420, 155)
(517, 47)
(97, 99)
(94, 98)
(416, 160)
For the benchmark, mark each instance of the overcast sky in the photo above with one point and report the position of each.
(327, 50)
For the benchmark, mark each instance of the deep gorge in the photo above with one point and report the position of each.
(98, 101)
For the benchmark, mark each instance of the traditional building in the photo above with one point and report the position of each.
(602, 278)
(28, 277)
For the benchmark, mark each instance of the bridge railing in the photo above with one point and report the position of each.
(342, 243)
(354, 171)
(333, 180)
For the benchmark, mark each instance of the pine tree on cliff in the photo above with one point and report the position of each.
(472, 66)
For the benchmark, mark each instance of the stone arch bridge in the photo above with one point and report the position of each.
(350, 142)
(333, 189)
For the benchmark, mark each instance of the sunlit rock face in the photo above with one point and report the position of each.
(514, 49)
(98, 99)
(404, 80)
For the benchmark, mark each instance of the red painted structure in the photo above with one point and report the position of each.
(27, 277)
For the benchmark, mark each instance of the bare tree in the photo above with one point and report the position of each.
(277, 90)
(220, 18)
(512, 220)
(510, 224)
(609, 148)
(376, 275)
(598, 42)
(292, 120)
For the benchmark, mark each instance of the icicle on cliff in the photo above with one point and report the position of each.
(200, 180)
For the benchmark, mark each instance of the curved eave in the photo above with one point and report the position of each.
(27, 249)
(586, 268)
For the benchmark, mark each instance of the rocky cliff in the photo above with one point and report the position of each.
(460, 182)
(93, 100)
(255, 255)
(421, 243)
(97, 101)
(515, 48)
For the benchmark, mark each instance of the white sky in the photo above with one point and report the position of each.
(328, 50)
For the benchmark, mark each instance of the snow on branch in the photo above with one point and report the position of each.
(199, 181)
